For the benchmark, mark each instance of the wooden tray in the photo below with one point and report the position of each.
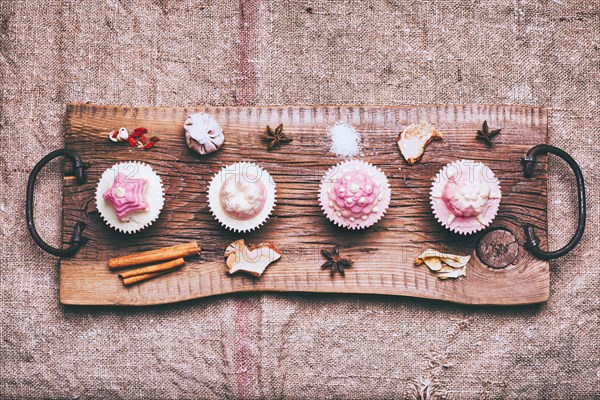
(383, 254)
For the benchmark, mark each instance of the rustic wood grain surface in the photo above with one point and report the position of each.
(383, 254)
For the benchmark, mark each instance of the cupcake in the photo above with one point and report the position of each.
(129, 196)
(465, 196)
(241, 196)
(354, 194)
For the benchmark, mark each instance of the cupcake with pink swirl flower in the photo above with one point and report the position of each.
(354, 194)
(465, 196)
(129, 196)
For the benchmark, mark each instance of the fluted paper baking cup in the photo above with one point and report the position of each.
(154, 195)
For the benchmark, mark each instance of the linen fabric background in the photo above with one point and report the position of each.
(259, 52)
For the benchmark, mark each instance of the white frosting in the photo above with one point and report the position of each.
(120, 192)
(205, 130)
(474, 193)
(243, 198)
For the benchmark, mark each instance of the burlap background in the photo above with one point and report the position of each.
(168, 52)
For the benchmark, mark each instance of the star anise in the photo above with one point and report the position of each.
(335, 261)
(276, 137)
(485, 134)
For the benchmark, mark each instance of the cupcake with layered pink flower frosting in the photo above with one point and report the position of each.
(129, 196)
(354, 194)
(465, 196)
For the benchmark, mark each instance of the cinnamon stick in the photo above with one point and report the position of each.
(145, 277)
(178, 262)
(154, 256)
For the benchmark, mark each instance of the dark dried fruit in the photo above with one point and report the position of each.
(485, 134)
(139, 132)
(335, 261)
(276, 137)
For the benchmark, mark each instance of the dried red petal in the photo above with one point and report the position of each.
(141, 130)
(132, 142)
(143, 139)
(154, 139)
(149, 145)
(115, 133)
(136, 134)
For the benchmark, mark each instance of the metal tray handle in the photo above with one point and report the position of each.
(532, 243)
(77, 238)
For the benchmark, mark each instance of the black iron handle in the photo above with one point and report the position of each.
(532, 243)
(77, 238)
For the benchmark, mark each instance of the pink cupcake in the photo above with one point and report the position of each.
(354, 194)
(465, 196)
(129, 196)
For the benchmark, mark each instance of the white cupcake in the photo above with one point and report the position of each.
(129, 196)
(241, 196)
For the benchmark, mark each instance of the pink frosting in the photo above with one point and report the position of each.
(243, 197)
(127, 196)
(355, 195)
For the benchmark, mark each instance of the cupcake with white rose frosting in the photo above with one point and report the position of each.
(465, 196)
(241, 196)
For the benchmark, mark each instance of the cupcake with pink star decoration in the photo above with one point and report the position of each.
(129, 196)
(354, 194)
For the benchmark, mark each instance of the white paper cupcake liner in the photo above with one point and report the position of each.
(154, 194)
(357, 224)
(214, 201)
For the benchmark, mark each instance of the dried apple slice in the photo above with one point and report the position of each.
(443, 265)
(433, 263)
(456, 262)
(250, 259)
(454, 274)
(415, 138)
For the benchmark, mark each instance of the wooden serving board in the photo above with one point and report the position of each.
(383, 254)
